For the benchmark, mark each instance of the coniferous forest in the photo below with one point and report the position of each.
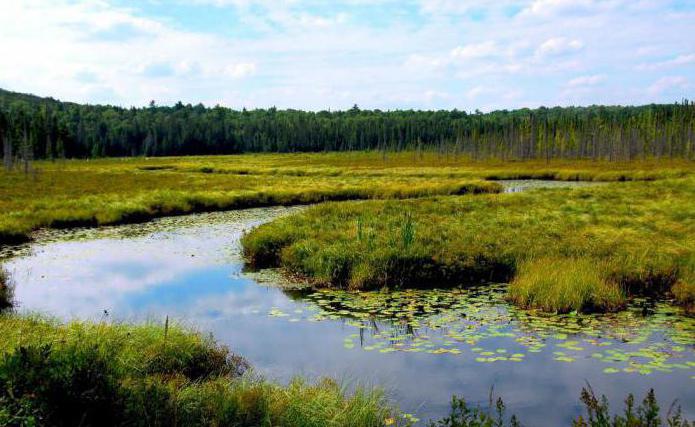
(43, 128)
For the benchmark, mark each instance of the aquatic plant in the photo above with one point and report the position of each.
(118, 374)
(580, 249)
(646, 414)
(462, 415)
(477, 324)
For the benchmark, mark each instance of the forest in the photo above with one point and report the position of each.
(44, 128)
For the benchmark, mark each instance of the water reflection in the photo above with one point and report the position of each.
(422, 346)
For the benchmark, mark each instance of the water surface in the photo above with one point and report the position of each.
(421, 346)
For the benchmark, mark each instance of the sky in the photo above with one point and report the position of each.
(332, 54)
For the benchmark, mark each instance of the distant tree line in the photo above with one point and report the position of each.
(43, 128)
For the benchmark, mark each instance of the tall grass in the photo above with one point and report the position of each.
(116, 374)
(566, 284)
(562, 249)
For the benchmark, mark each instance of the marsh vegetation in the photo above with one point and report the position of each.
(582, 249)
(112, 375)
(73, 193)
(189, 268)
(406, 256)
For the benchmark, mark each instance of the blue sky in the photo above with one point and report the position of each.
(312, 54)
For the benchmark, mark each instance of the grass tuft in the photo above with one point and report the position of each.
(564, 285)
(117, 374)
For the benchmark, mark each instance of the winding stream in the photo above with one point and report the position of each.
(421, 346)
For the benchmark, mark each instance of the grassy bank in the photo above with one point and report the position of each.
(111, 191)
(108, 374)
(563, 249)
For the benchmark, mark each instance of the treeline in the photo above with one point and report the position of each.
(33, 128)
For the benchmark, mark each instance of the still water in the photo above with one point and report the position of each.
(421, 346)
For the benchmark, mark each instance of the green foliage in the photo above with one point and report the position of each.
(53, 129)
(563, 249)
(72, 386)
(117, 375)
(462, 415)
(647, 414)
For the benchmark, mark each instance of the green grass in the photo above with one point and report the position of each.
(117, 374)
(562, 249)
(111, 191)
(566, 284)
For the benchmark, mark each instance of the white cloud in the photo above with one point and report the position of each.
(668, 83)
(475, 50)
(591, 80)
(241, 70)
(474, 92)
(546, 8)
(559, 46)
(431, 62)
(679, 60)
(303, 54)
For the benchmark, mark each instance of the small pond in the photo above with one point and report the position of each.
(421, 346)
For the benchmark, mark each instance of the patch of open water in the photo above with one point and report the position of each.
(421, 346)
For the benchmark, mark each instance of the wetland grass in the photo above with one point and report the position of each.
(70, 193)
(116, 374)
(584, 249)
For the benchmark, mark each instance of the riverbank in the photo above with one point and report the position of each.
(119, 374)
(583, 249)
